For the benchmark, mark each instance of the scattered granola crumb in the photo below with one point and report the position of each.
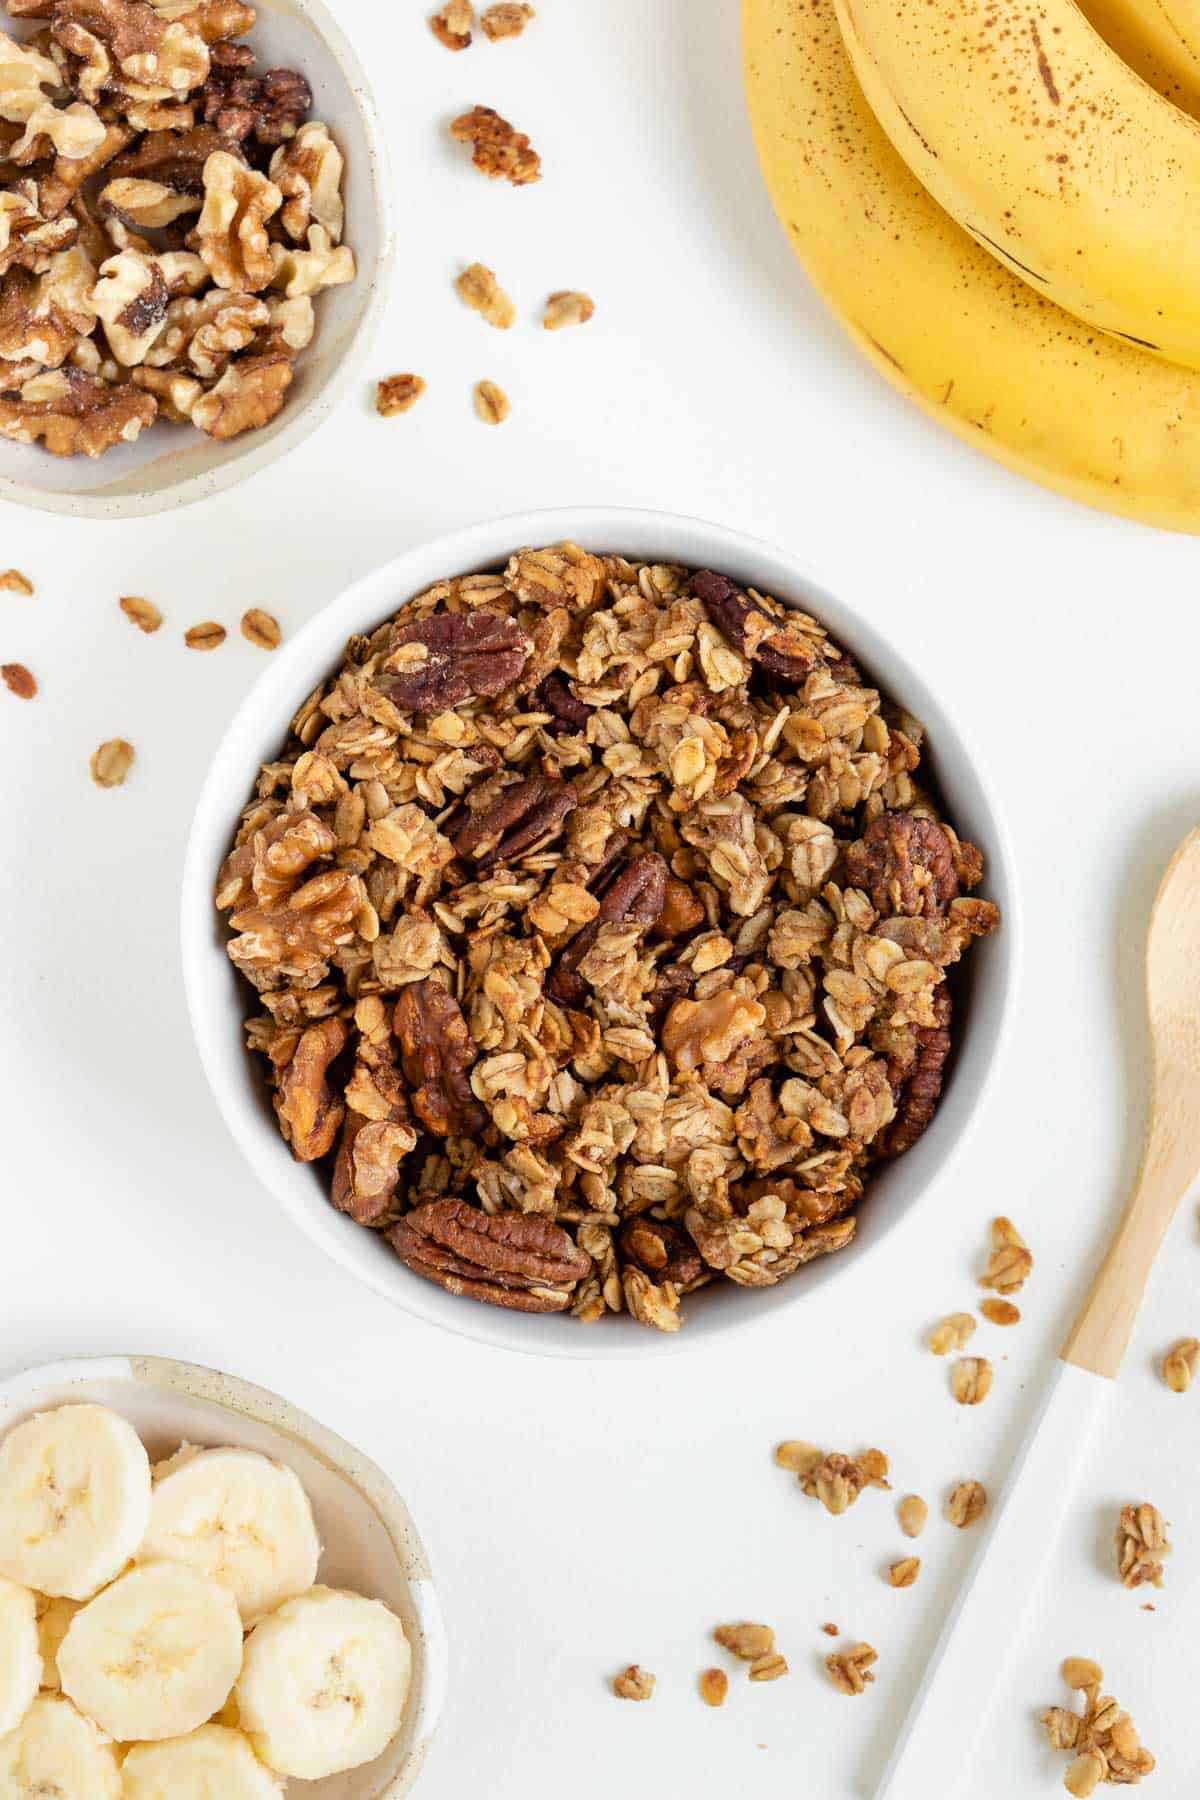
(830, 1629)
(955, 1330)
(833, 1479)
(398, 394)
(505, 21)
(1011, 1261)
(491, 403)
(971, 1380)
(1180, 1364)
(797, 1456)
(567, 307)
(912, 1513)
(207, 636)
(111, 763)
(261, 629)
(451, 25)
(18, 680)
(850, 1670)
(1105, 1738)
(746, 1639)
(13, 582)
(1084, 1775)
(902, 1574)
(1142, 1543)
(633, 1683)
(768, 1668)
(496, 148)
(1000, 1312)
(478, 288)
(965, 1503)
(714, 1685)
(141, 612)
(1149, 1606)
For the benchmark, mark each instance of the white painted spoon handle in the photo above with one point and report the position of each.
(944, 1723)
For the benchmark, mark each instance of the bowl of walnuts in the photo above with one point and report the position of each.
(195, 240)
(595, 933)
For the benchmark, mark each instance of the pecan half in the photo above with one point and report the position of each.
(556, 695)
(310, 1113)
(514, 1259)
(519, 819)
(751, 629)
(437, 1052)
(917, 1084)
(906, 865)
(437, 663)
(635, 894)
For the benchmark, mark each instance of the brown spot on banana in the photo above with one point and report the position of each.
(922, 140)
(1006, 256)
(1044, 69)
(884, 351)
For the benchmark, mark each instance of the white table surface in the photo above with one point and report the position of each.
(581, 1517)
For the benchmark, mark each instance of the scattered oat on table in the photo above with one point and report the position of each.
(497, 148)
(18, 680)
(902, 1574)
(714, 1685)
(13, 582)
(505, 20)
(634, 1683)
(1011, 1261)
(1142, 1543)
(1104, 1738)
(492, 404)
(261, 629)
(567, 307)
(768, 1668)
(451, 25)
(745, 1639)
(965, 1503)
(479, 289)
(398, 394)
(912, 1513)
(141, 612)
(207, 636)
(1180, 1364)
(850, 1670)
(1000, 1312)
(830, 1629)
(971, 1380)
(111, 763)
(952, 1333)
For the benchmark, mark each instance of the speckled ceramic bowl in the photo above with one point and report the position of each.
(370, 1542)
(173, 465)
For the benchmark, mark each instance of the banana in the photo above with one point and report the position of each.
(56, 1754)
(74, 1500)
(53, 1618)
(154, 1655)
(209, 1764)
(240, 1518)
(1160, 39)
(324, 1683)
(977, 348)
(20, 1658)
(1053, 154)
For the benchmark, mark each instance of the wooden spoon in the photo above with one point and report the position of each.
(946, 1719)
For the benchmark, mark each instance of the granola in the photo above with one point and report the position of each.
(1103, 1739)
(567, 849)
(166, 216)
(1142, 1543)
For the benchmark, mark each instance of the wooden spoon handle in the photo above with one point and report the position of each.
(1101, 1333)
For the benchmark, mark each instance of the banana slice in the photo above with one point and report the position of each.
(324, 1682)
(154, 1655)
(20, 1658)
(57, 1754)
(240, 1518)
(74, 1500)
(209, 1764)
(53, 1618)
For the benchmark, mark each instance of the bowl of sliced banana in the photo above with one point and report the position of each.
(203, 1591)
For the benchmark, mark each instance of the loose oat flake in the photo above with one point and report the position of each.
(971, 1380)
(567, 308)
(1180, 1364)
(912, 1513)
(1000, 1312)
(478, 288)
(965, 1503)
(111, 763)
(634, 1683)
(492, 404)
(714, 1685)
(903, 1573)
(952, 1333)
(13, 582)
(602, 935)
(261, 629)
(769, 1667)
(746, 1640)
(505, 20)
(141, 612)
(398, 394)
(851, 1670)
(208, 636)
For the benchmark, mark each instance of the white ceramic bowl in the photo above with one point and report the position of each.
(219, 1000)
(174, 465)
(370, 1542)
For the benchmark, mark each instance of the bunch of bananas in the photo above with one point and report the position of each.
(995, 197)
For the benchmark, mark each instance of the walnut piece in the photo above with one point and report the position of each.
(310, 1112)
(633, 1683)
(73, 414)
(232, 230)
(265, 110)
(308, 171)
(496, 148)
(131, 40)
(451, 24)
(42, 317)
(131, 298)
(248, 396)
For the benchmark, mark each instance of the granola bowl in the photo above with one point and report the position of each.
(649, 965)
(370, 1543)
(284, 374)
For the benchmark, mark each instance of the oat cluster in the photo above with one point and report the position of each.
(602, 931)
(167, 216)
(1102, 1739)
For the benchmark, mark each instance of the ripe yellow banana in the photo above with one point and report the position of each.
(1039, 140)
(1158, 38)
(1086, 414)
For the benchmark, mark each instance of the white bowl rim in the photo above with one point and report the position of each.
(307, 418)
(279, 1414)
(481, 545)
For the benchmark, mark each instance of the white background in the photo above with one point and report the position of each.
(581, 1517)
